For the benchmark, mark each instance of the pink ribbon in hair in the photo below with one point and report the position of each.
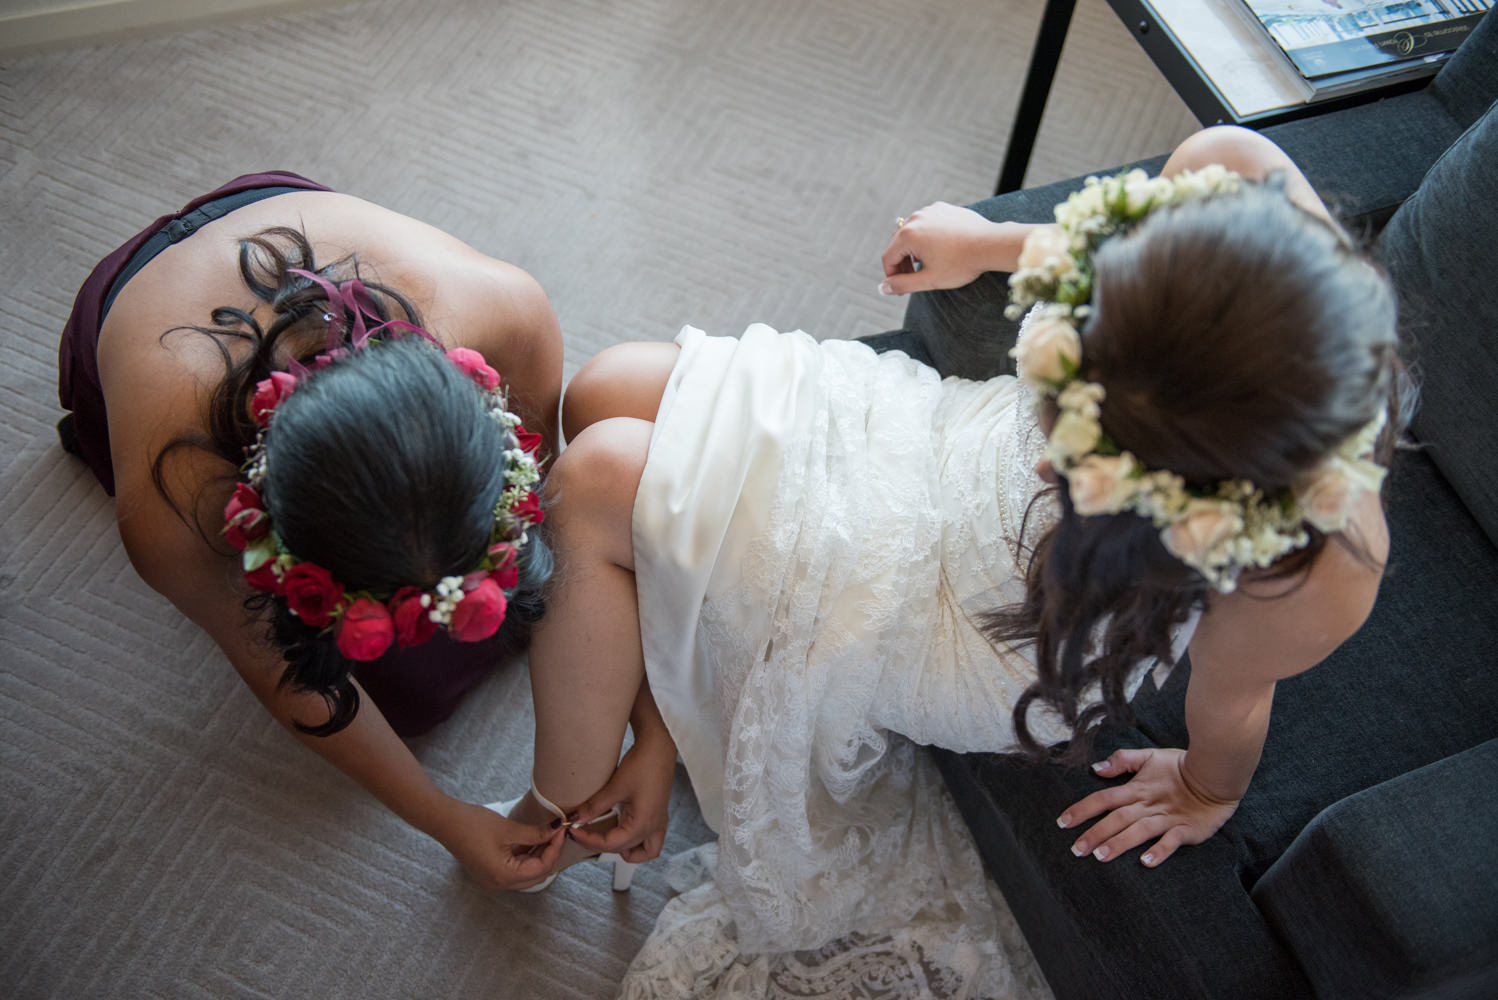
(351, 298)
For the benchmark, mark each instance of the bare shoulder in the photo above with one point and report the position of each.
(1248, 153)
(466, 297)
(1272, 629)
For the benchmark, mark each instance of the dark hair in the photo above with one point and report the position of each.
(1236, 337)
(384, 467)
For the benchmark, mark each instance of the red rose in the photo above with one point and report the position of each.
(480, 612)
(312, 593)
(529, 509)
(530, 441)
(265, 578)
(475, 367)
(365, 631)
(245, 519)
(504, 557)
(269, 394)
(413, 623)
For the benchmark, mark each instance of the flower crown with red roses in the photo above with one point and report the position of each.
(1218, 532)
(470, 606)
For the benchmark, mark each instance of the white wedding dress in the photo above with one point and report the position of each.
(817, 530)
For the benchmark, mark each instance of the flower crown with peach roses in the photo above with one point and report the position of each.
(470, 606)
(1219, 532)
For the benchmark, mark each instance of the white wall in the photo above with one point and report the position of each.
(33, 25)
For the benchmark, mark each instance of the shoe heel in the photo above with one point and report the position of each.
(624, 871)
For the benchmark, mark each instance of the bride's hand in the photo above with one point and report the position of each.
(501, 854)
(641, 788)
(952, 245)
(1158, 803)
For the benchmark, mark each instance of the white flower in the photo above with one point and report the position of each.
(1082, 398)
(1100, 484)
(1208, 180)
(1047, 348)
(1138, 192)
(1200, 528)
(1268, 544)
(1082, 204)
(1073, 436)
(1159, 496)
(1048, 247)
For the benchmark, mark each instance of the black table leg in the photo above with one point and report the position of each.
(1043, 61)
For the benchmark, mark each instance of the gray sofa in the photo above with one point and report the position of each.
(1364, 860)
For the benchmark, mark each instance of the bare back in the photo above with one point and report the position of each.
(156, 384)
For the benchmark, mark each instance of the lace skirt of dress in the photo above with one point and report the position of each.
(789, 535)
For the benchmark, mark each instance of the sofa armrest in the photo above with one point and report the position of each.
(1391, 891)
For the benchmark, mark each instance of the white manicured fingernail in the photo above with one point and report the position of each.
(885, 288)
(1102, 853)
(1148, 859)
(1079, 850)
(1101, 765)
(1064, 820)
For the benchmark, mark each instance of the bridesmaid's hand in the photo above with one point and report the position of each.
(641, 788)
(1158, 802)
(499, 853)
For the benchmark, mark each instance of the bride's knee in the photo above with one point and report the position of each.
(625, 380)
(591, 487)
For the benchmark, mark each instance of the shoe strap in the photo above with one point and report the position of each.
(546, 803)
(556, 810)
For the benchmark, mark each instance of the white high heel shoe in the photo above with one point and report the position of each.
(624, 871)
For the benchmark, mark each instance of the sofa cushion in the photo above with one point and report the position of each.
(1467, 85)
(1364, 161)
(1373, 900)
(1441, 249)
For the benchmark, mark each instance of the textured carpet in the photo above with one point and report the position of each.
(651, 163)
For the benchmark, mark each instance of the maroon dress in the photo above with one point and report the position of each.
(415, 688)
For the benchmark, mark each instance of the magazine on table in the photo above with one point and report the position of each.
(1336, 44)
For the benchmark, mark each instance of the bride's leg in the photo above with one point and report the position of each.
(626, 380)
(585, 660)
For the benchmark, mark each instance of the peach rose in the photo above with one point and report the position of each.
(1048, 247)
(1072, 437)
(1046, 348)
(1327, 502)
(1100, 484)
(1204, 525)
